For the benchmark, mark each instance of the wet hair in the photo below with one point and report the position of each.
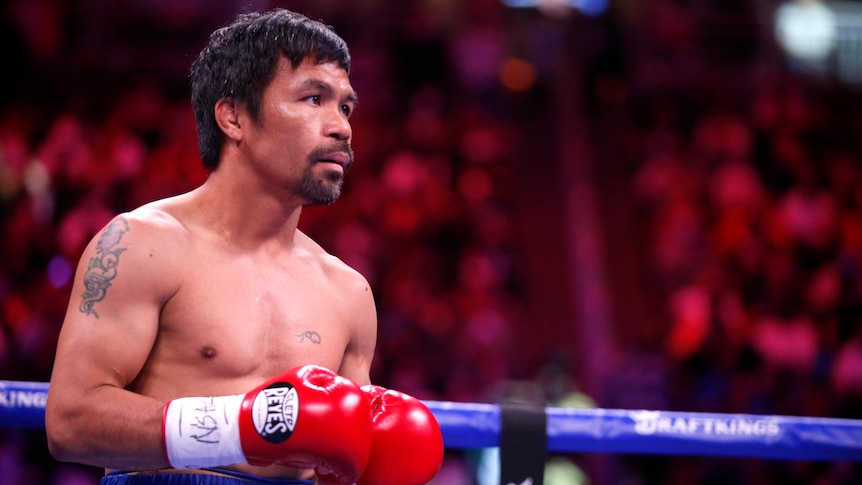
(240, 61)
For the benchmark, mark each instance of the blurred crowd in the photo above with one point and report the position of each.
(755, 225)
(753, 210)
(750, 203)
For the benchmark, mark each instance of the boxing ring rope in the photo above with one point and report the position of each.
(477, 425)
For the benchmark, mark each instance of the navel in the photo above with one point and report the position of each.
(208, 352)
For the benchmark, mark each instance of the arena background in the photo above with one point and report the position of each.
(642, 204)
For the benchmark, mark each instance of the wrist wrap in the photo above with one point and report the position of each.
(203, 431)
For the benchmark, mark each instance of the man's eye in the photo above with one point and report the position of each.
(346, 109)
(314, 99)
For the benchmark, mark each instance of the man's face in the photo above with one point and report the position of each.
(302, 137)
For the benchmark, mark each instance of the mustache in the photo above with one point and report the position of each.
(338, 146)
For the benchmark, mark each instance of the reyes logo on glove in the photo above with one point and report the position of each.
(274, 412)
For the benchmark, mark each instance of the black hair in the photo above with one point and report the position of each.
(241, 59)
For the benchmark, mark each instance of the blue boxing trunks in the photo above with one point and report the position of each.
(189, 477)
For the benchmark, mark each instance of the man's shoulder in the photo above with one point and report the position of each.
(331, 264)
(150, 226)
(153, 220)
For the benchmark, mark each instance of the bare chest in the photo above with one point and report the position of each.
(242, 320)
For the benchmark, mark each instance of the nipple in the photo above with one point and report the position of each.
(208, 352)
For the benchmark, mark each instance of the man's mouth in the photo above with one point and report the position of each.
(338, 154)
(342, 159)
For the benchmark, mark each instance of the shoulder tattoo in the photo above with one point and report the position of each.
(103, 267)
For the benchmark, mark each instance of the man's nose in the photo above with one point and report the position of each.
(338, 126)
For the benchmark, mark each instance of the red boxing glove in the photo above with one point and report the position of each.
(407, 447)
(307, 417)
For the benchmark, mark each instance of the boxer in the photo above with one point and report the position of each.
(207, 339)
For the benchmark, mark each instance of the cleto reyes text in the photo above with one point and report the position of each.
(276, 410)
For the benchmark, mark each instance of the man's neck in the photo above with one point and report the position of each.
(246, 213)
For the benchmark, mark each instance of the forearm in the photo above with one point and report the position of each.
(106, 427)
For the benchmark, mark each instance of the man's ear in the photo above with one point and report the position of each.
(227, 117)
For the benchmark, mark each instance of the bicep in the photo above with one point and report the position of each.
(112, 319)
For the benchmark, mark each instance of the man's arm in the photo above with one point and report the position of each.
(110, 328)
(362, 321)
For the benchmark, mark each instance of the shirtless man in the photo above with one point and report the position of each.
(194, 317)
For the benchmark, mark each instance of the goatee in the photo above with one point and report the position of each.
(326, 189)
